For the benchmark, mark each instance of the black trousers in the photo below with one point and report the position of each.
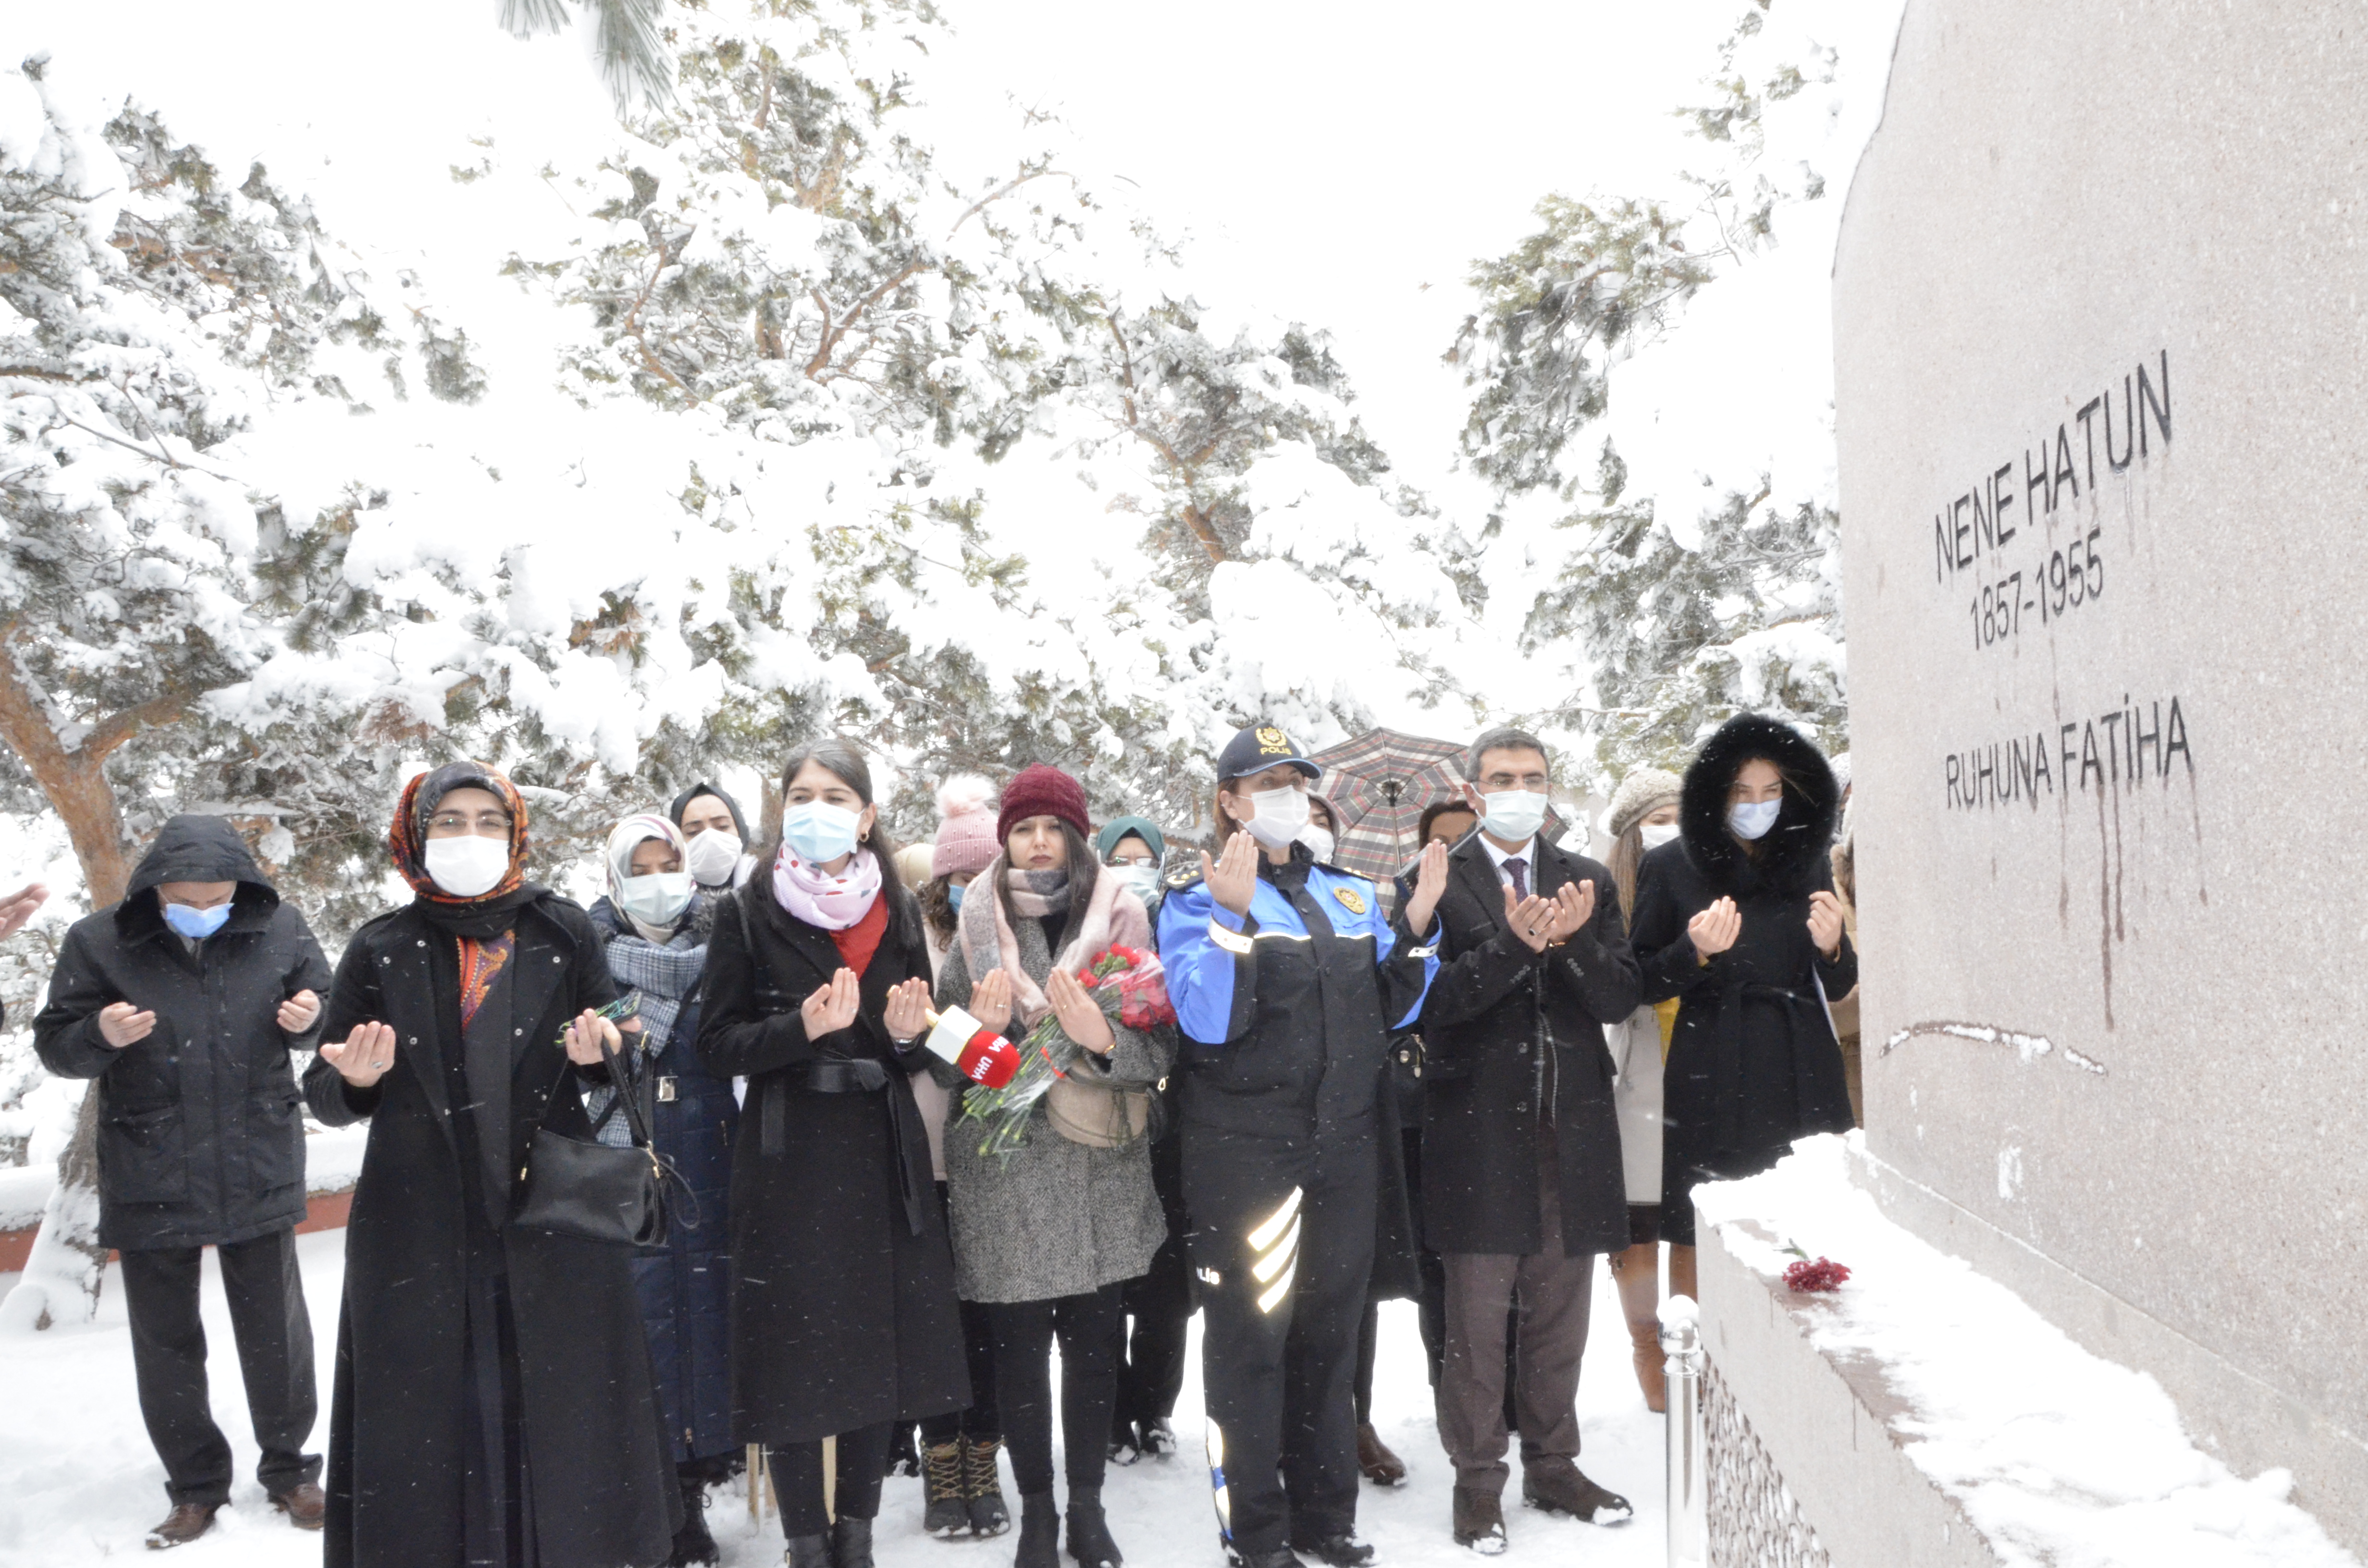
(982, 1422)
(862, 1465)
(1151, 1369)
(1430, 1303)
(1087, 1327)
(1282, 1246)
(274, 1335)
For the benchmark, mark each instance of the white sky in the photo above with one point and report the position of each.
(1343, 165)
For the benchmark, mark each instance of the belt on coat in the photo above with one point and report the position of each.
(851, 1075)
(1726, 1052)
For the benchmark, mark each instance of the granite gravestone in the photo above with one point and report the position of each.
(2102, 334)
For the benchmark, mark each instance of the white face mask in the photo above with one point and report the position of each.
(1655, 833)
(1282, 814)
(1513, 817)
(469, 867)
(1320, 843)
(713, 855)
(1752, 819)
(659, 898)
(1141, 881)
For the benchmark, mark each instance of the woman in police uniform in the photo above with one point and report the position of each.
(1287, 976)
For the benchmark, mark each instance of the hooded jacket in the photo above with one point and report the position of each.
(200, 1139)
(1753, 1062)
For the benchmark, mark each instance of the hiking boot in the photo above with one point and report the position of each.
(306, 1505)
(693, 1545)
(1382, 1467)
(948, 1513)
(983, 1486)
(1479, 1520)
(1559, 1486)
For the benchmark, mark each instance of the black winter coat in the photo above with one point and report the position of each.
(843, 1308)
(199, 1138)
(1753, 1062)
(604, 1489)
(1506, 1033)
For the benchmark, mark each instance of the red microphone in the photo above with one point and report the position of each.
(976, 1052)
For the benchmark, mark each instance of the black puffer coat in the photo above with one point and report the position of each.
(200, 1137)
(1753, 1062)
(1510, 1035)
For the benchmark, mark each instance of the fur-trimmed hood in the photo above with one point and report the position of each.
(1793, 852)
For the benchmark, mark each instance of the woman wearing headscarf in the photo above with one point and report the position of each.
(1738, 920)
(715, 836)
(494, 1403)
(844, 1320)
(655, 923)
(1046, 1234)
(1159, 1301)
(1643, 817)
(962, 1450)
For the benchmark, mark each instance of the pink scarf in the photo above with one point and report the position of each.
(1112, 914)
(819, 898)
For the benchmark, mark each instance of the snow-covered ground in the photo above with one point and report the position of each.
(2061, 1458)
(79, 1484)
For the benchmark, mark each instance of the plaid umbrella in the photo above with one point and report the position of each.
(1380, 783)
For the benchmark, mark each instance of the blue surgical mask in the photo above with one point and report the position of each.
(1752, 819)
(953, 896)
(196, 923)
(817, 830)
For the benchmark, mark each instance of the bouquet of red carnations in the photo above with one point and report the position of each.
(1131, 988)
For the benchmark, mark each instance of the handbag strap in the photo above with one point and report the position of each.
(622, 1080)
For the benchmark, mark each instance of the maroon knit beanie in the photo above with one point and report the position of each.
(1042, 790)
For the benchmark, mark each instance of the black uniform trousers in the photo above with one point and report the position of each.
(274, 1335)
(1283, 1248)
(1151, 1372)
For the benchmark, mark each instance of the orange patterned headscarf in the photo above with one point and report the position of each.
(406, 840)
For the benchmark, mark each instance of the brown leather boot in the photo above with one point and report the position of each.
(183, 1525)
(304, 1504)
(1558, 1486)
(1479, 1520)
(1382, 1467)
(1682, 1281)
(1638, 1272)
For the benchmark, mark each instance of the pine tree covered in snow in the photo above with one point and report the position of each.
(1718, 592)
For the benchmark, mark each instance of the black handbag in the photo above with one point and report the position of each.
(577, 1187)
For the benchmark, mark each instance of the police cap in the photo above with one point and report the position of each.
(1258, 748)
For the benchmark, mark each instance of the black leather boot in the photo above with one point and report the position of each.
(850, 1543)
(807, 1552)
(692, 1543)
(1089, 1537)
(1039, 1532)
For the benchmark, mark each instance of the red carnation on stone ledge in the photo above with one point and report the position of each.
(1823, 1274)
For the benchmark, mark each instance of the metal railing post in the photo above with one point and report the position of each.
(1689, 1473)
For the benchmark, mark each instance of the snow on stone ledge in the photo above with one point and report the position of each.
(2062, 1459)
(333, 1160)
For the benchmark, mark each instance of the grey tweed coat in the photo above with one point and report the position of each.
(1055, 1218)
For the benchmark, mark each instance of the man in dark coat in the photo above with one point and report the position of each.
(493, 1400)
(182, 1002)
(1521, 1183)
